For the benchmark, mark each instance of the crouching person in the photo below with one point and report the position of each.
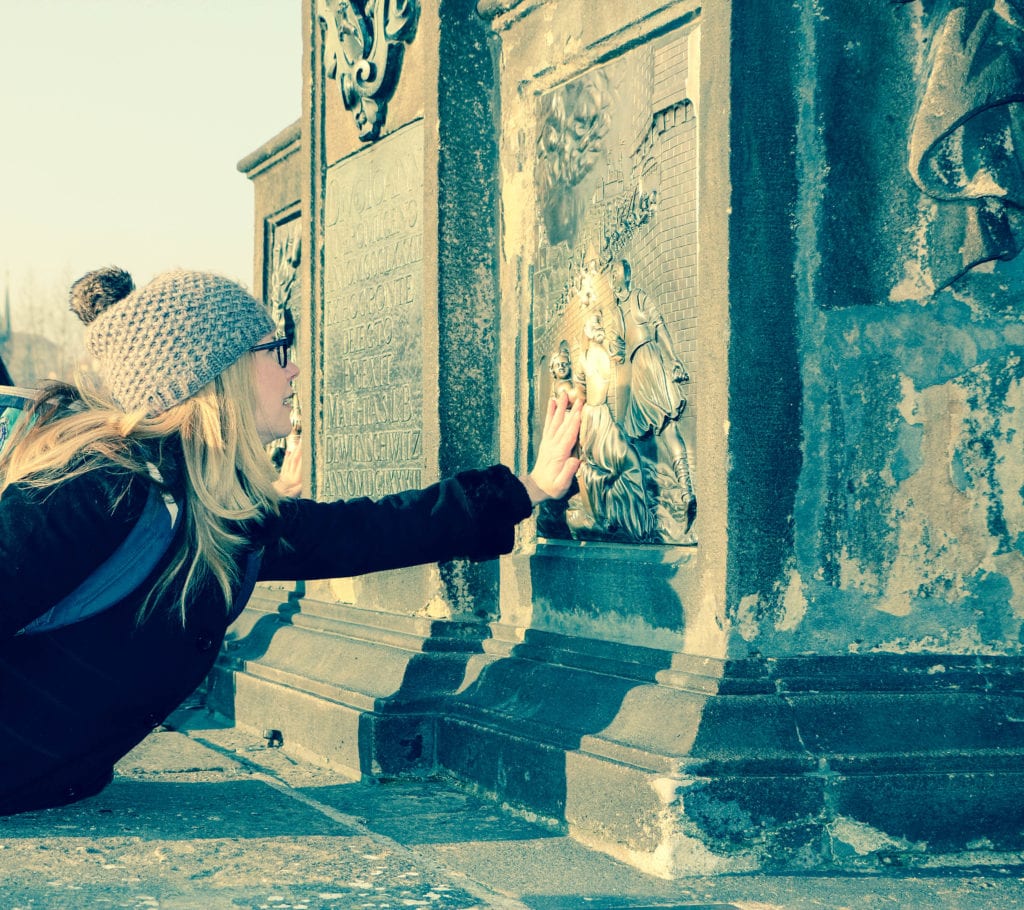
(137, 515)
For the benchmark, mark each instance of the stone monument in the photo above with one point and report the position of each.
(772, 249)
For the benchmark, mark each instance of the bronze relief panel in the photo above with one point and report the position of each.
(614, 290)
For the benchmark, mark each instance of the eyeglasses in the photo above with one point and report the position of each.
(279, 346)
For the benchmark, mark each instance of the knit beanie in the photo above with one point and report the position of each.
(160, 344)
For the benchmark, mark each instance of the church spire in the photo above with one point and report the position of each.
(5, 316)
(5, 331)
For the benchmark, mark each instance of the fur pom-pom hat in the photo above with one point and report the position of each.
(160, 344)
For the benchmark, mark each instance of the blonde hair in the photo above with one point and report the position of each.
(228, 476)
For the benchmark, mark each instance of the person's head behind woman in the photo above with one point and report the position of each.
(178, 381)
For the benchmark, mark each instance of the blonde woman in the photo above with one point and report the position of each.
(157, 490)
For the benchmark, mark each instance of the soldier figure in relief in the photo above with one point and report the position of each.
(656, 376)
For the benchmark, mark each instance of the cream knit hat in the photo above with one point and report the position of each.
(158, 345)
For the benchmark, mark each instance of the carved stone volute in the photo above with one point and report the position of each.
(364, 42)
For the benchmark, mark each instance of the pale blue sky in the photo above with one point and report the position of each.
(122, 125)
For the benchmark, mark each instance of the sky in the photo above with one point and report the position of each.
(123, 122)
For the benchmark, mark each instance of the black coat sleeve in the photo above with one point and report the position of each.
(51, 539)
(471, 516)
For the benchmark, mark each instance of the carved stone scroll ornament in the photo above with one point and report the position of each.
(364, 43)
(967, 142)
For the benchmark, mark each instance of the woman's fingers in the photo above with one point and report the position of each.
(555, 465)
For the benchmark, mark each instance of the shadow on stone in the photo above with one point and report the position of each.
(413, 812)
(178, 811)
(516, 730)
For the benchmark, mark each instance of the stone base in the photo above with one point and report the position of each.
(675, 764)
(803, 763)
(355, 689)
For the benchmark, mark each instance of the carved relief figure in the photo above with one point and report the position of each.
(562, 382)
(284, 263)
(611, 502)
(551, 521)
(282, 272)
(656, 377)
(364, 43)
(968, 136)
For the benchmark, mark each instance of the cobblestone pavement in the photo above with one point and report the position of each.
(207, 818)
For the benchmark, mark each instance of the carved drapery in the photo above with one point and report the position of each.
(364, 42)
(965, 146)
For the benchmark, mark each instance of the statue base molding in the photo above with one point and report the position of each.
(676, 764)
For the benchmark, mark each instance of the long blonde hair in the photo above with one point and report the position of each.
(228, 476)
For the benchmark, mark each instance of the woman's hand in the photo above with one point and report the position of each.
(289, 480)
(555, 466)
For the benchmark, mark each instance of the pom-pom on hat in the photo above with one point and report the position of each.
(160, 344)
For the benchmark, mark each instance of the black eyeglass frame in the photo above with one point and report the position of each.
(279, 346)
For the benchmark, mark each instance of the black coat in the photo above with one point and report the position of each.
(75, 700)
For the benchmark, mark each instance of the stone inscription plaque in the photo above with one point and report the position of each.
(372, 422)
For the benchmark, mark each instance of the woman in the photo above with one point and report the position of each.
(194, 386)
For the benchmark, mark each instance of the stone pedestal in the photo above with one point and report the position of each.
(777, 627)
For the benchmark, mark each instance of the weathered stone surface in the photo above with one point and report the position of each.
(824, 670)
(370, 427)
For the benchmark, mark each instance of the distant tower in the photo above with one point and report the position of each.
(5, 332)
(5, 317)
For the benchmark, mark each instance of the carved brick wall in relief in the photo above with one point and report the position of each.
(615, 291)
